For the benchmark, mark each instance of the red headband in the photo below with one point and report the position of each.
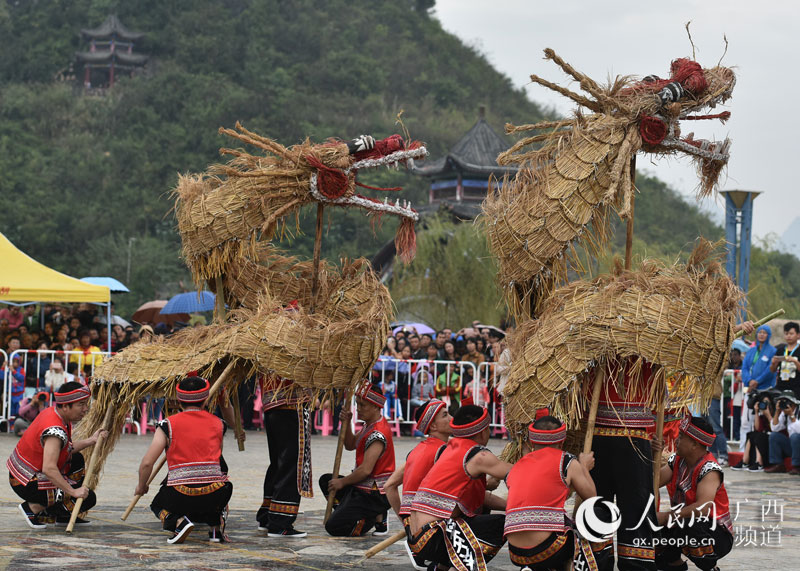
(696, 433)
(547, 437)
(471, 429)
(430, 412)
(191, 397)
(369, 394)
(76, 395)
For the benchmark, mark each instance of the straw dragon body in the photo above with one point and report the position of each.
(322, 333)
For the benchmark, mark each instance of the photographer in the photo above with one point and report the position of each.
(785, 362)
(756, 453)
(784, 440)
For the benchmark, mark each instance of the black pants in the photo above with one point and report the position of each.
(758, 440)
(58, 504)
(431, 543)
(355, 512)
(702, 545)
(555, 552)
(204, 503)
(624, 470)
(281, 502)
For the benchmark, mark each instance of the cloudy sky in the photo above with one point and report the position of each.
(621, 37)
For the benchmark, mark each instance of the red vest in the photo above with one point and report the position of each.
(538, 507)
(683, 486)
(25, 462)
(385, 465)
(418, 464)
(630, 411)
(448, 485)
(195, 445)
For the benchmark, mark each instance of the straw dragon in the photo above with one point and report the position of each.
(322, 334)
(572, 177)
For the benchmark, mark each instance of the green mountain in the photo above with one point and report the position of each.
(85, 179)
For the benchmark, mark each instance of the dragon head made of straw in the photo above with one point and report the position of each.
(223, 213)
(575, 172)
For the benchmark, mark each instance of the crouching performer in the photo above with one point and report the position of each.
(699, 520)
(448, 523)
(196, 489)
(433, 420)
(361, 499)
(537, 528)
(44, 470)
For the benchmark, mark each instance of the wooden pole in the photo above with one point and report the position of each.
(152, 477)
(90, 470)
(337, 462)
(599, 381)
(384, 544)
(659, 435)
(237, 417)
(629, 227)
(763, 320)
(218, 383)
(220, 300)
(317, 253)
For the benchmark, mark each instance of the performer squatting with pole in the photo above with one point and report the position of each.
(537, 528)
(433, 419)
(196, 488)
(360, 495)
(44, 469)
(448, 524)
(288, 477)
(694, 481)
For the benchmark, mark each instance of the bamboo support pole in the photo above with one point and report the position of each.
(599, 381)
(137, 497)
(92, 463)
(220, 300)
(372, 551)
(763, 320)
(317, 253)
(237, 417)
(629, 226)
(337, 462)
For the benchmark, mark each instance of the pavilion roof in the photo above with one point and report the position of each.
(112, 27)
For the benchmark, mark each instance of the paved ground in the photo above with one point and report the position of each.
(766, 540)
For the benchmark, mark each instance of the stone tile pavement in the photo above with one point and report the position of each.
(766, 506)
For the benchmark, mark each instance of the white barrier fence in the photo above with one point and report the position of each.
(39, 362)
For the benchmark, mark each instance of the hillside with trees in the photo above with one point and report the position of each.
(85, 179)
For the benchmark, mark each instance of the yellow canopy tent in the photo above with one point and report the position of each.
(23, 279)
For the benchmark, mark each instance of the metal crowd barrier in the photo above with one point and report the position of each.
(34, 358)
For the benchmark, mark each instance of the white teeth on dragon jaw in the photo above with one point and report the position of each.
(386, 200)
(397, 203)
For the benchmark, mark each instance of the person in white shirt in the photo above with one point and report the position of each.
(784, 440)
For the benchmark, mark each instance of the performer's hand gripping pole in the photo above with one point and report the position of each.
(92, 462)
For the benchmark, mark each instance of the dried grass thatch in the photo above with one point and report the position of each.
(576, 173)
(679, 318)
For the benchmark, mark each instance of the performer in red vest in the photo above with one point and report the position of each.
(361, 497)
(433, 419)
(196, 488)
(288, 478)
(537, 528)
(43, 469)
(448, 523)
(700, 520)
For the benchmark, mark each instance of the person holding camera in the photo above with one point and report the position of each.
(755, 427)
(784, 441)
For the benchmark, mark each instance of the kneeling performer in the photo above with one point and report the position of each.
(448, 524)
(539, 536)
(197, 487)
(43, 469)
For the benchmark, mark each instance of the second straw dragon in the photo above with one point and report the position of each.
(628, 329)
(304, 330)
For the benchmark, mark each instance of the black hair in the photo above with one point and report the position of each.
(466, 414)
(192, 384)
(547, 423)
(419, 411)
(789, 325)
(737, 351)
(702, 424)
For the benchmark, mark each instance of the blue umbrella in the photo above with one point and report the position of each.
(189, 302)
(115, 286)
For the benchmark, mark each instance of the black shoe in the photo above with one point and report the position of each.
(381, 529)
(740, 466)
(33, 520)
(289, 532)
(182, 531)
(60, 520)
(756, 467)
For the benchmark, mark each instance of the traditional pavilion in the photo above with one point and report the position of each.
(110, 52)
(462, 176)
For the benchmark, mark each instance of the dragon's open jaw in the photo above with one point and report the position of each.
(401, 208)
